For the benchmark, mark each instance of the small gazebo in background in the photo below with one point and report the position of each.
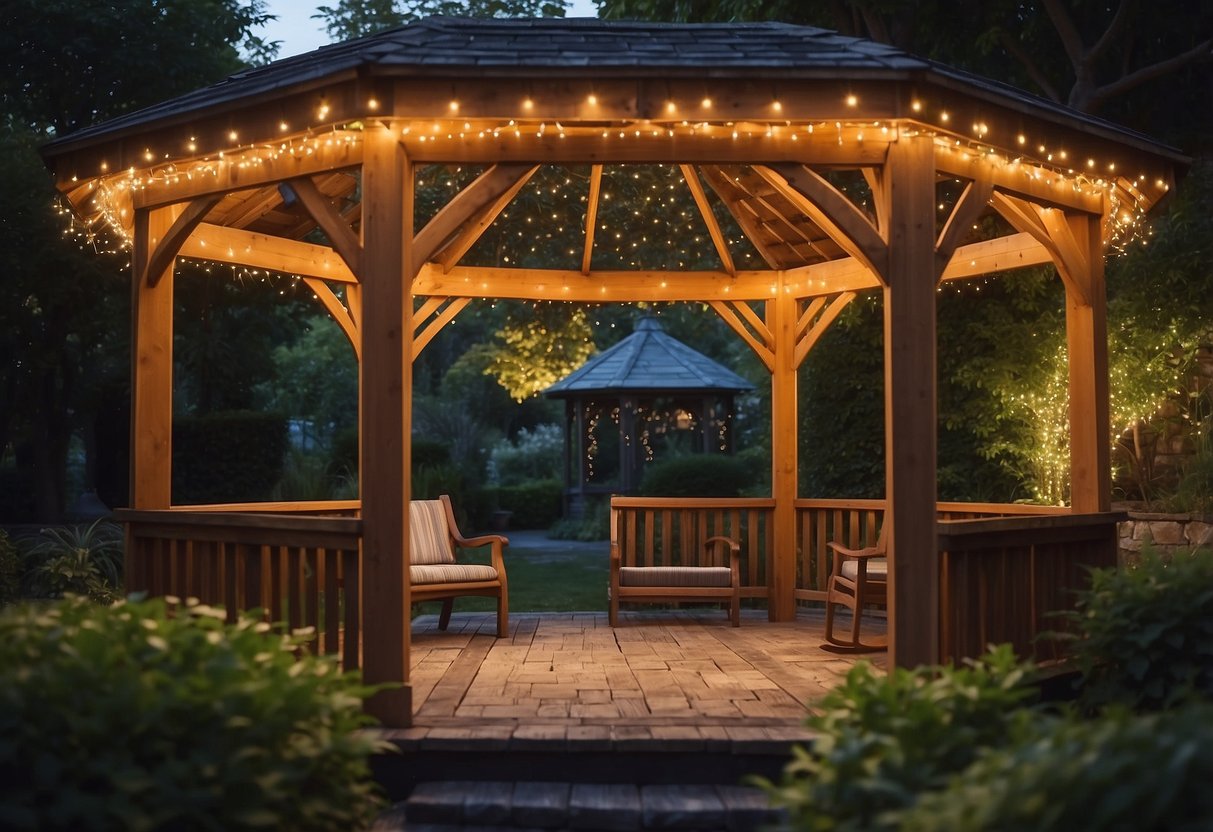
(647, 394)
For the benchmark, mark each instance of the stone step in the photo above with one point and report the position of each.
(616, 807)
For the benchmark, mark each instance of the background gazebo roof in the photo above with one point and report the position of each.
(649, 360)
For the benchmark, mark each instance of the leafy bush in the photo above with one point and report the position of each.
(1116, 772)
(884, 739)
(532, 455)
(141, 716)
(427, 454)
(80, 560)
(233, 456)
(1144, 634)
(536, 504)
(595, 524)
(10, 570)
(698, 475)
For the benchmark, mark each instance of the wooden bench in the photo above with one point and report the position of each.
(709, 572)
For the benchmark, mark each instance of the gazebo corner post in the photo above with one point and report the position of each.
(385, 386)
(1087, 345)
(911, 403)
(781, 317)
(151, 460)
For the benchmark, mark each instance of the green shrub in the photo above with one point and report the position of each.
(536, 454)
(428, 454)
(10, 571)
(536, 504)
(884, 739)
(1144, 634)
(1117, 772)
(234, 456)
(140, 716)
(594, 525)
(77, 560)
(698, 475)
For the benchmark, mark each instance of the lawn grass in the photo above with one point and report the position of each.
(541, 581)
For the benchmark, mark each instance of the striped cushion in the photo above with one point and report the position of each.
(429, 540)
(451, 573)
(877, 568)
(675, 576)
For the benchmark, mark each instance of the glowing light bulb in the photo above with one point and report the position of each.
(852, 100)
(706, 103)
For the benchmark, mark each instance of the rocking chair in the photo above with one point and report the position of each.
(860, 577)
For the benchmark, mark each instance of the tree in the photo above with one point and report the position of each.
(64, 355)
(358, 18)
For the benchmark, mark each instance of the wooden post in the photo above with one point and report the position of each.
(910, 404)
(385, 409)
(1087, 339)
(781, 319)
(151, 367)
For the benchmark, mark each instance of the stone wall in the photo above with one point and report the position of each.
(1167, 533)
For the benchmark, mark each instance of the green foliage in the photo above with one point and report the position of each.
(225, 457)
(315, 379)
(76, 560)
(532, 454)
(10, 570)
(358, 18)
(1118, 772)
(696, 475)
(532, 354)
(141, 717)
(594, 524)
(427, 454)
(535, 503)
(885, 738)
(1144, 634)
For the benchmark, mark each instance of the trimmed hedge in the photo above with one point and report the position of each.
(700, 475)
(536, 504)
(228, 457)
(140, 716)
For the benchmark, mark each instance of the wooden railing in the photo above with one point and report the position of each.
(300, 569)
(669, 531)
(1001, 579)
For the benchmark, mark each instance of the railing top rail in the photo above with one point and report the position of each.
(950, 506)
(868, 505)
(284, 507)
(692, 502)
(992, 530)
(243, 520)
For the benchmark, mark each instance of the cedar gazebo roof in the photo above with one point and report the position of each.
(847, 164)
(649, 360)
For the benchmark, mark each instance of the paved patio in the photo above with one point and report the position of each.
(676, 675)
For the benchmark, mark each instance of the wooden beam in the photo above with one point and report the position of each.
(342, 238)
(168, 246)
(151, 367)
(591, 217)
(257, 205)
(479, 224)
(1023, 181)
(338, 312)
(806, 317)
(836, 215)
(744, 216)
(264, 251)
(709, 217)
(911, 427)
(435, 326)
(241, 172)
(1044, 224)
(607, 286)
(439, 231)
(762, 344)
(384, 413)
(973, 202)
(810, 338)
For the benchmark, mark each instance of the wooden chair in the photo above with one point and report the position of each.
(433, 573)
(860, 577)
(668, 584)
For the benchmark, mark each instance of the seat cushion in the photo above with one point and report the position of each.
(675, 576)
(878, 568)
(429, 540)
(449, 573)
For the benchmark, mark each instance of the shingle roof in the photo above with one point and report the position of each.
(649, 360)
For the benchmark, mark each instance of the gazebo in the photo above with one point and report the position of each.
(849, 165)
(639, 394)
